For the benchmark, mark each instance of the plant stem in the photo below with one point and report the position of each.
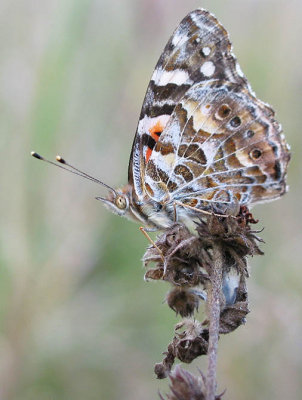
(213, 306)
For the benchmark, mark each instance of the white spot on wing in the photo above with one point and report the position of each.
(206, 51)
(162, 78)
(207, 69)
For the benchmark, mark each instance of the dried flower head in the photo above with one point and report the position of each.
(186, 386)
(184, 301)
(188, 259)
(190, 341)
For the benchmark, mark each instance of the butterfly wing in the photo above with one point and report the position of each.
(198, 50)
(220, 146)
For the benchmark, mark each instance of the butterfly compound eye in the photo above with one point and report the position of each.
(121, 202)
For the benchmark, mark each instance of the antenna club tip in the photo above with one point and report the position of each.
(36, 155)
(60, 159)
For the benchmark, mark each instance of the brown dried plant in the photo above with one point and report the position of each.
(207, 266)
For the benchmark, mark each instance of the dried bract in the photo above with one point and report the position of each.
(232, 316)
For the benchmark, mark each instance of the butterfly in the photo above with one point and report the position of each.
(204, 142)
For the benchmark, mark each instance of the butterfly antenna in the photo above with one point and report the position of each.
(71, 169)
(63, 161)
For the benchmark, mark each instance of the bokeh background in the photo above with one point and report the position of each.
(77, 320)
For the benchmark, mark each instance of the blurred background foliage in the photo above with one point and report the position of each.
(77, 320)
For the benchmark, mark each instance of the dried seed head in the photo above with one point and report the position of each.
(187, 345)
(186, 386)
(181, 250)
(182, 271)
(184, 301)
(192, 342)
(187, 350)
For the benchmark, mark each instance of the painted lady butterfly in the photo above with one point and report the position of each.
(203, 141)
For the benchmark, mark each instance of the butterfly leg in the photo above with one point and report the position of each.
(144, 232)
(202, 211)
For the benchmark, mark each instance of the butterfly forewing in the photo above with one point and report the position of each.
(198, 50)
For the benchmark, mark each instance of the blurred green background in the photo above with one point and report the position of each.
(77, 320)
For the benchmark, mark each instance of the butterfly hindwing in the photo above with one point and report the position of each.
(220, 146)
(198, 50)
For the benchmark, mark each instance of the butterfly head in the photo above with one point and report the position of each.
(117, 201)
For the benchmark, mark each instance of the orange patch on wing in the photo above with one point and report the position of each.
(148, 154)
(155, 132)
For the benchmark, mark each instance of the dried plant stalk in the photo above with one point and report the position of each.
(213, 305)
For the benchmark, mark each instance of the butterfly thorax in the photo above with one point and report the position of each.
(152, 214)
(156, 215)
